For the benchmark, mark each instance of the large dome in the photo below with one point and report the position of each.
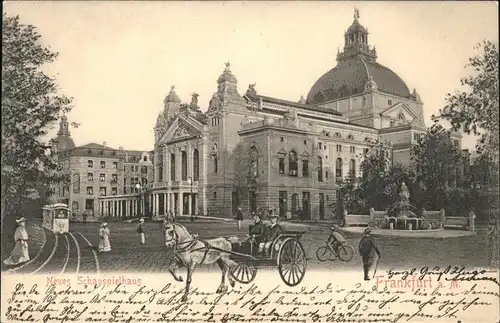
(349, 77)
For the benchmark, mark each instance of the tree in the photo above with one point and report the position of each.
(475, 110)
(436, 161)
(30, 106)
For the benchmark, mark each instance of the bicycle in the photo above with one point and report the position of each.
(343, 251)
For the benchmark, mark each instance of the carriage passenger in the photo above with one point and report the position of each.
(273, 232)
(258, 230)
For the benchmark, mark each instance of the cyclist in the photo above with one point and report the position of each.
(335, 239)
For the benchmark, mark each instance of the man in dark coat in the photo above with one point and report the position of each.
(258, 230)
(273, 231)
(368, 249)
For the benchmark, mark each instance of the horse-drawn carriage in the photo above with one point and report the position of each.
(286, 253)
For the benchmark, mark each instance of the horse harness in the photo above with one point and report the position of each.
(190, 244)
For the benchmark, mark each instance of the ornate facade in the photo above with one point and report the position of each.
(256, 151)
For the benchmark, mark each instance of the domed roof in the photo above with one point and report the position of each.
(349, 77)
(356, 27)
(64, 143)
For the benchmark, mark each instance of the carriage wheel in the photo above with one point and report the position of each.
(346, 252)
(292, 262)
(243, 273)
(324, 254)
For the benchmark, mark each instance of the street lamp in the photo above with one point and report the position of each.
(139, 191)
(190, 182)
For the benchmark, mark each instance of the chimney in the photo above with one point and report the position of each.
(120, 148)
(104, 143)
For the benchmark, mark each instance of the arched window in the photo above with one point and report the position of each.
(350, 137)
(338, 135)
(76, 183)
(172, 167)
(292, 163)
(338, 170)
(401, 117)
(320, 169)
(254, 162)
(184, 169)
(352, 168)
(305, 166)
(75, 206)
(196, 165)
(160, 167)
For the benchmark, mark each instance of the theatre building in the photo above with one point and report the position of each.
(256, 151)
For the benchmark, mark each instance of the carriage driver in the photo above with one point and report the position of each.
(273, 232)
(257, 231)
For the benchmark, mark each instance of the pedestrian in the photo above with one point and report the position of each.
(84, 217)
(140, 230)
(20, 253)
(239, 218)
(368, 249)
(472, 220)
(104, 245)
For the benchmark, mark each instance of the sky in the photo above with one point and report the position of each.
(118, 59)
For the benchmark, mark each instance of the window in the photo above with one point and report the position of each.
(282, 139)
(392, 123)
(350, 137)
(416, 136)
(90, 177)
(338, 170)
(115, 165)
(305, 142)
(196, 165)
(401, 117)
(114, 178)
(145, 158)
(320, 169)
(172, 168)
(281, 163)
(305, 167)
(144, 169)
(389, 102)
(365, 151)
(338, 135)
(326, 174)
(352, 149)
(90, 190)
(320, 146)
(216, 164)
(114, 191)
(184, 167)
(90, 163)
(75, 206)
(76, 183)
(339, 148)
(215, 195)
(102, 191)
(352, 168)
(292, 164)
(103, 164)
(102, 177)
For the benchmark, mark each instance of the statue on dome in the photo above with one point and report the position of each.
(356, 13)
(215, 102)
(251, 90)
(194, 101)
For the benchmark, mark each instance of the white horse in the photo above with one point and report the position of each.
(189, 252)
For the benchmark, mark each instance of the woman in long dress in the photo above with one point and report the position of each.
(104, 245)
(20, 253)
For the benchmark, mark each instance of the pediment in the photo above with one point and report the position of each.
(398, 109)
(181, 129)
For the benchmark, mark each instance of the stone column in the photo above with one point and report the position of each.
(178, 164)
(166, 163)
(190, 163)
(190, 200)
(157, 204)
(181, 203)
(165, 203)
(119, 208)
(172, 202)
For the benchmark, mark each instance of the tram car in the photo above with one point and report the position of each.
(56, 217)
